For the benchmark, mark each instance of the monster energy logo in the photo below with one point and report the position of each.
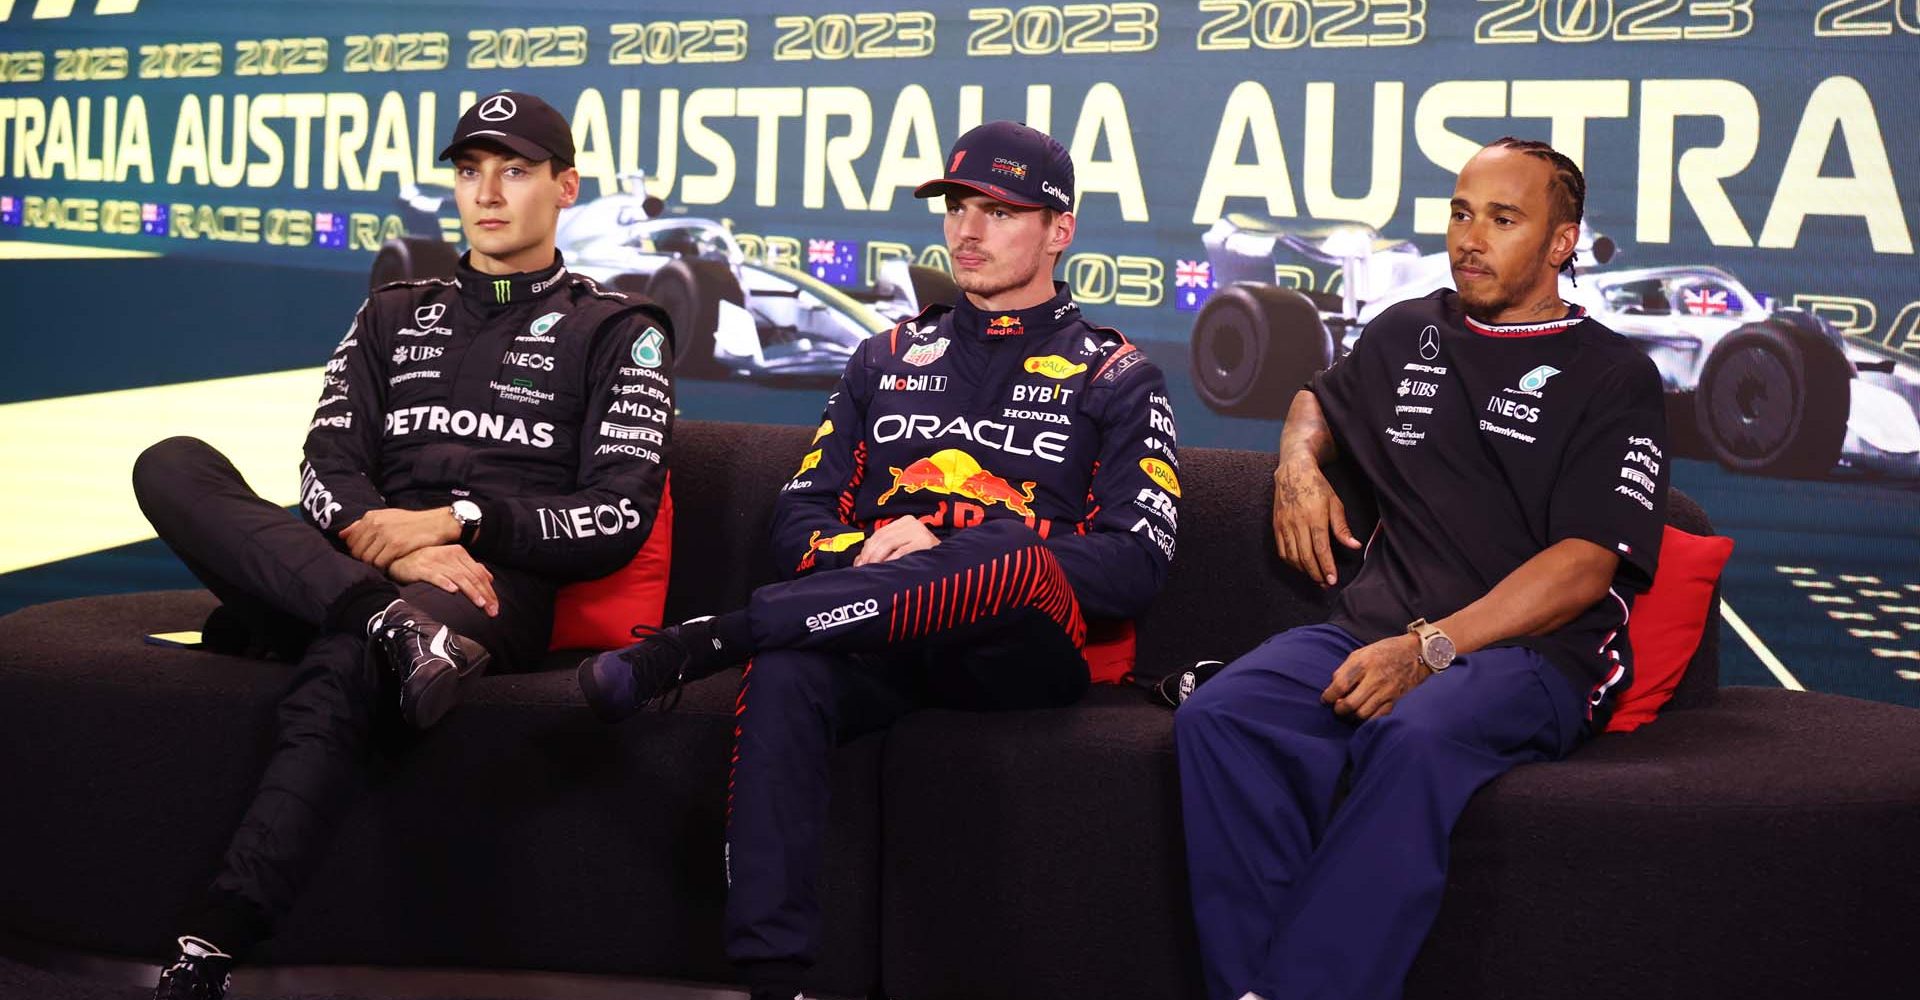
(503, 290)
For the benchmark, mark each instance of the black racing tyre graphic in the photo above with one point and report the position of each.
(932, 286)
(1254, 346)
(691, 292)
(408, 258)
(1773, 400)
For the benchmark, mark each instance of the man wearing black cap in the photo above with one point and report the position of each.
(989, 480)
(478, 442)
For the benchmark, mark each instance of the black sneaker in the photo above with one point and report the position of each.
(200, 973)
(430, 659)
(648, 673)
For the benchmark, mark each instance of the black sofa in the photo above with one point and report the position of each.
(1750, 843)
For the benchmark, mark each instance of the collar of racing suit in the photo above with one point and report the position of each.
(1044, 318)
(499, 291)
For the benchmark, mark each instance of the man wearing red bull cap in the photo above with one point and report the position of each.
(988, 478)
(458, 420)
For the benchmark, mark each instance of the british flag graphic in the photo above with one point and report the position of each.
(1705, 301)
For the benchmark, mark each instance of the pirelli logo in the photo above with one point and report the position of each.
(46, 10)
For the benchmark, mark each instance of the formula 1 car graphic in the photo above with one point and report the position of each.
(731, 315)
(1760, 388)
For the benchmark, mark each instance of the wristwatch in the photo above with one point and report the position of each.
(1436, 650)
(468, 514)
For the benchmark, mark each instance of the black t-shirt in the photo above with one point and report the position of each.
(1487, 444)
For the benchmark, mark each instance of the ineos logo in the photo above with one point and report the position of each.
(498, 108)
(428, 315)
(1429, 343)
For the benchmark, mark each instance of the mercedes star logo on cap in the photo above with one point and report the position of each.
(498, 108)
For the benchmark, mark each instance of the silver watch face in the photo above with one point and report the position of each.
(466, 511)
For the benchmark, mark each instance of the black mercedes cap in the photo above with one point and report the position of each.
(521, 122)
(1011, 162)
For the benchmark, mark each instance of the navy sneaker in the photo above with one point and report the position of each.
(647, 674)
(431, 660)
(200, 973)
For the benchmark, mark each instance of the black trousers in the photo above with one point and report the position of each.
(983, 621)
(296, 593)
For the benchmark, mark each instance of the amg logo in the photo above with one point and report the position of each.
(624, 432)
(587, 521)
(914, 383)
(843, 615)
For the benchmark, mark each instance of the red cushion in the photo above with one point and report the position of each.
(600, 614)
(1667, 623)
(1109, 651)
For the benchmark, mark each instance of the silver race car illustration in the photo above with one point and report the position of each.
(1760, 388)
(732, 315)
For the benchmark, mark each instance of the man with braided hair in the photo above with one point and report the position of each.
(1515, 448)
(987, 479)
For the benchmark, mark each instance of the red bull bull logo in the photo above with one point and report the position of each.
(1005, 326)
(952, 472)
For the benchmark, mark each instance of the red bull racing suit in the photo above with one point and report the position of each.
(1041, 450)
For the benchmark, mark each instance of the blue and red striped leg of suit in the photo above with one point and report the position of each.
(984, 620)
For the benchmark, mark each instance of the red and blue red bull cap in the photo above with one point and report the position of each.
(1009, 162)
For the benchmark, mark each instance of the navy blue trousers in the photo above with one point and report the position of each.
(985, 620)
(1294, 898)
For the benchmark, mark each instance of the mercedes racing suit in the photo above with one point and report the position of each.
(540, 396)
(1041, 450)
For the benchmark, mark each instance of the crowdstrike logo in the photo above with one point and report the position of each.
(845, 614)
